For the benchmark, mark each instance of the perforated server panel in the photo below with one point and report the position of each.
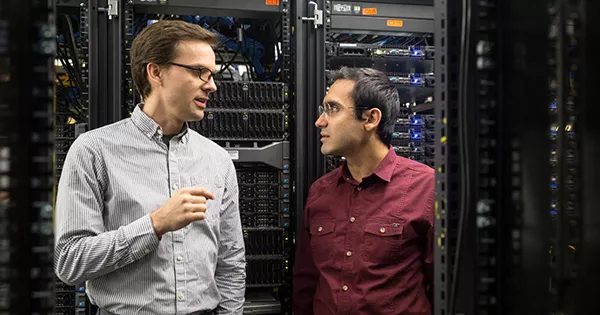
(250, 119)
(27, 51)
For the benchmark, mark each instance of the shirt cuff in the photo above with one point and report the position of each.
(141, 237)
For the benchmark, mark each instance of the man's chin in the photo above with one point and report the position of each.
(327, 152)
(196, 116)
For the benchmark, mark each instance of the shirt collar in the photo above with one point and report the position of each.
(384, 170)
(151, 128)
(386, 167)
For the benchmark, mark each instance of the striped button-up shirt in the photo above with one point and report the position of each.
(112, 179)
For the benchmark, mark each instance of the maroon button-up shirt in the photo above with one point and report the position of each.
(367, 248)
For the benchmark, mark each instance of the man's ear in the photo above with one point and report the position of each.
(372, 118)
(154, 74)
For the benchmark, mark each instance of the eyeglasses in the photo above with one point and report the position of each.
(203, 73)
(330, 109)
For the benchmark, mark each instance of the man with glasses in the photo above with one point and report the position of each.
(147, 209)
(366, 244)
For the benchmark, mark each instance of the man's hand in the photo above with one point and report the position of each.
(186, 206)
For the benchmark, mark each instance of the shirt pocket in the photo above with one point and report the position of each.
(322, 234)
(217, 187)
(383, 241)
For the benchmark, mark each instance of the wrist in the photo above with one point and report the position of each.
(156, 224)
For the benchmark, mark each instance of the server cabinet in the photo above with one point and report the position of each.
(27, 51)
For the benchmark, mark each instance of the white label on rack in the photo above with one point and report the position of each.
(234, 154)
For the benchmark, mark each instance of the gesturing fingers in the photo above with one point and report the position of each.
(195, 207)
(194, 199)
(200, 191)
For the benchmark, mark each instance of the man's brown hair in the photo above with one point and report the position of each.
(157, 43)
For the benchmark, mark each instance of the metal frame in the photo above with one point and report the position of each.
(105, 66)
(301, 185)
(568, 171)
(129, 93)
(309, 79)
(558, 172)
(27, 53)
(446, 40)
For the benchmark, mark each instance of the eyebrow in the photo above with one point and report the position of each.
(333, 103)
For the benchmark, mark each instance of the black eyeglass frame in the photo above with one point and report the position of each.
(199, 71)
(321, 109)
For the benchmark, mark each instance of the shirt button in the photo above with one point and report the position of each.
(352, 219)
(396, 225)
(179, 258)
(359, 188)
(320, 229)
(345, 288)
(175, 186)
(382, 230)
(348, 253)
(180, 296)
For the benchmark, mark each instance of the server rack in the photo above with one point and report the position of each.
(490, 174)
(510, 218)
(574, 248)
(396, 38)
(252, 118)
(26, 52)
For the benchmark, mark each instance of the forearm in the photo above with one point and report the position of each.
(231, 281)
(81, 255)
